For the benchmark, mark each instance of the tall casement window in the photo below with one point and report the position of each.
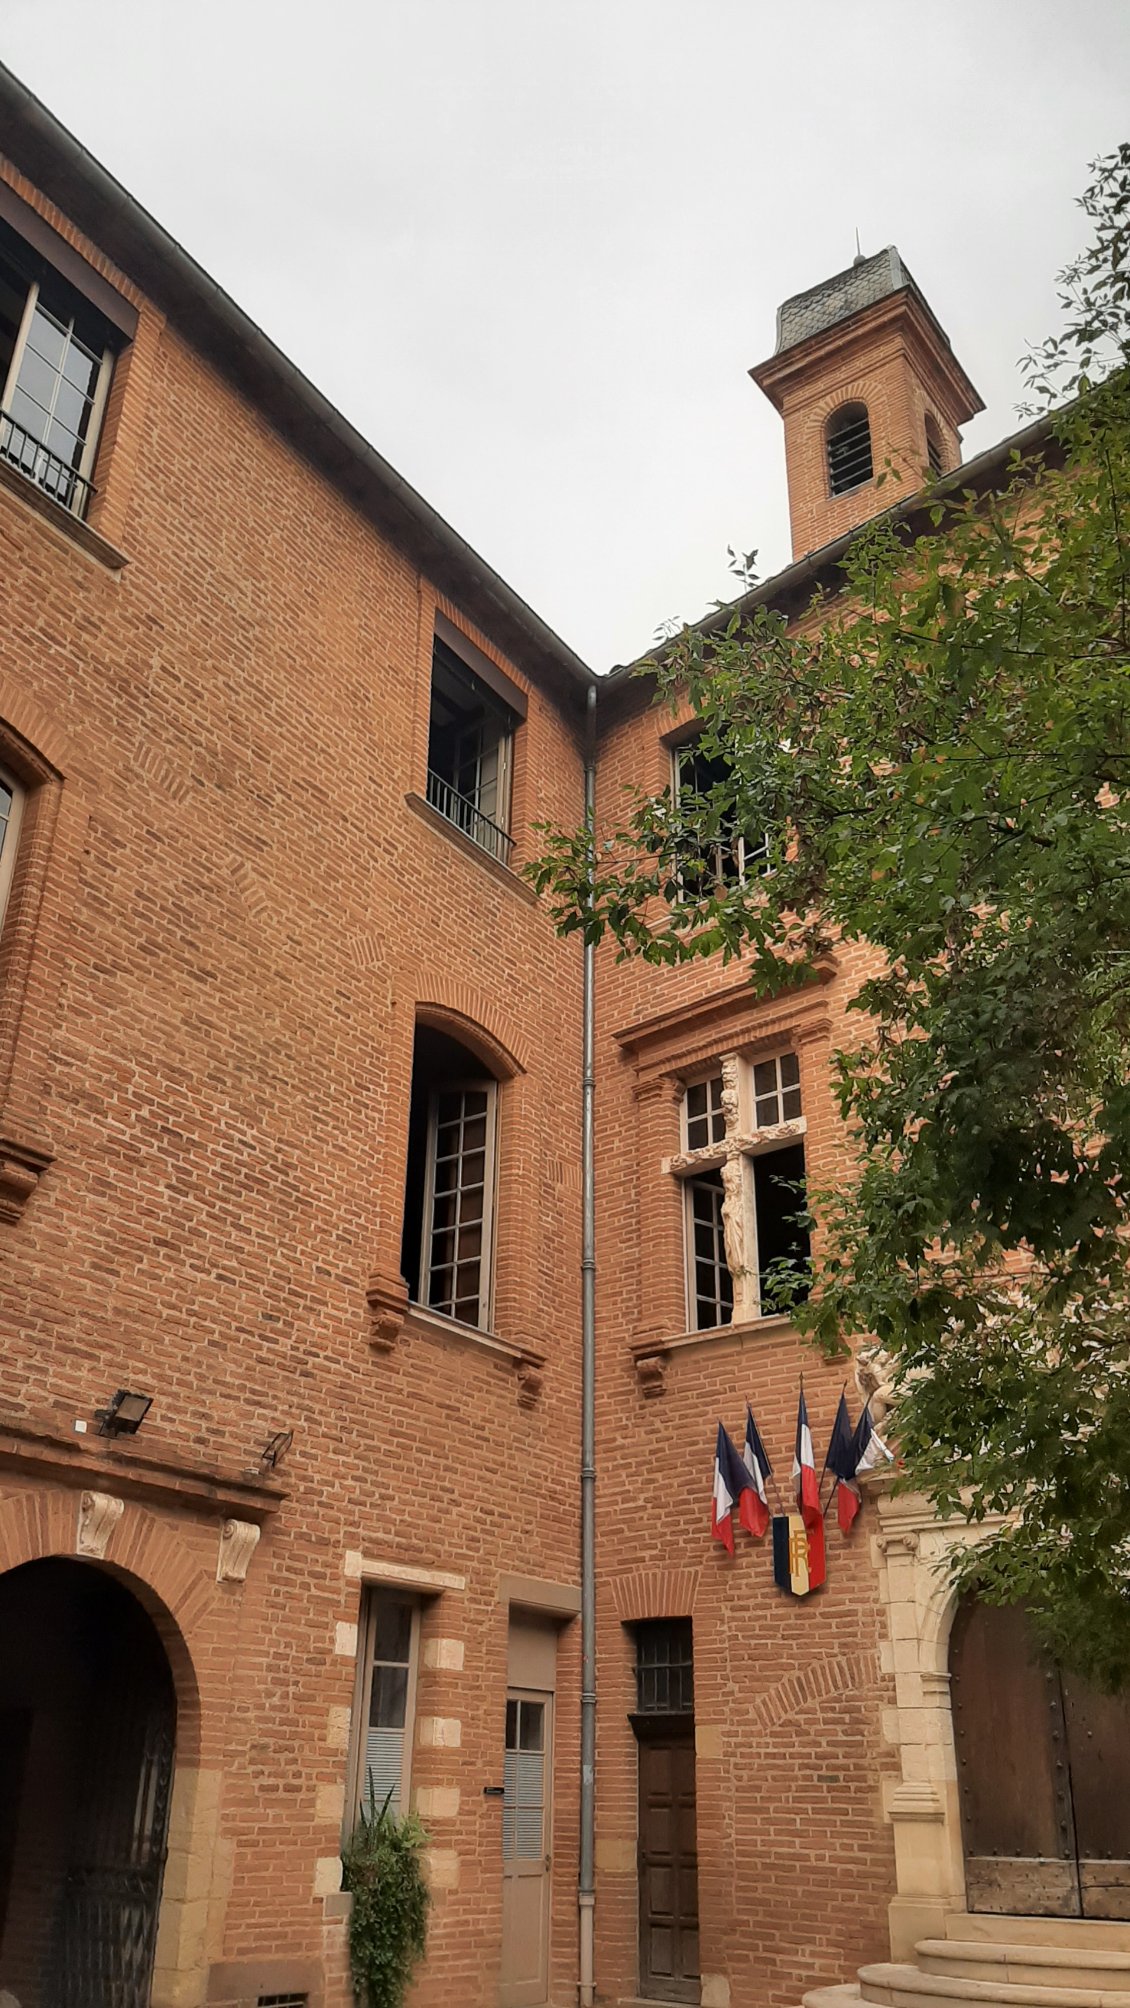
(56, 358)
(11, 812)
(449, 1193)
(742, 1170)
(848, 444)
(470, 743)
(724, 854)
(388, 1649)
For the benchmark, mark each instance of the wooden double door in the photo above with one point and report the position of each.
(668, 1860)
(1043, 1762)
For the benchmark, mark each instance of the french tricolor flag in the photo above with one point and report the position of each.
(808, 1495)
(753, 1507)
(731, 1483)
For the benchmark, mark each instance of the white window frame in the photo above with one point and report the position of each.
(85, 467)
(10, 839)
(690, 1256)
(745, 1140)
(472, 1084)
(356, 1781)
(749, 859)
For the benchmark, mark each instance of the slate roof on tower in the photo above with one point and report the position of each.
(866, 281)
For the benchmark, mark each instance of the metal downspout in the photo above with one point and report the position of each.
(586, 1892)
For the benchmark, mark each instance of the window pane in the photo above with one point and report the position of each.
(531, 1725)
(392, 1637)
(512, 1725)
(389, 1699)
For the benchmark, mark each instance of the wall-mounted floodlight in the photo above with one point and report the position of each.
(124, 1415)
(275, 1449)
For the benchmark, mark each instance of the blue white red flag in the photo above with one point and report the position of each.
(753, 1507)
(731, 1481)
(842, 1461)
(808, 1495)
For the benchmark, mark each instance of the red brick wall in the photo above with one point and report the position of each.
(224, 963)
(795, 1859)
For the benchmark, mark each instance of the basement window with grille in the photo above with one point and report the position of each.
(283, 2001)
(664, 1667)
(848, 441)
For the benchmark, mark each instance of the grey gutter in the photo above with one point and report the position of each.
(819, 567)
(211, 322)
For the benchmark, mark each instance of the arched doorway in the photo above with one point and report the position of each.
(1043, 1766)
(87, 1728)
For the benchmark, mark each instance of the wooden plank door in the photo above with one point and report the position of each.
(1013, 1771)
(668, 1866)
(1098, 1747)
(526, 1864)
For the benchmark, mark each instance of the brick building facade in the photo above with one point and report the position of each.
(289, 1146)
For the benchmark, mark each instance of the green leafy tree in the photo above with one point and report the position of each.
(388, 1923)
(942, 759)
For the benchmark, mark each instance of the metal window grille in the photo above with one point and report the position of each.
(712, 1286)
(664, 1667)
(469, 754)
(776, 1090)
(463, 811)
(283, 2001)
(849, 449)
(705, 1118)
(49, 471)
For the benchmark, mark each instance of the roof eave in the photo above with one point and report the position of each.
(211, 322)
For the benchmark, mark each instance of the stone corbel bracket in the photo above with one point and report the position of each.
(651, 1373)
(238, 1542)
(387, 1298)
(21, 1168)
(530, 1370)
(98, 1515)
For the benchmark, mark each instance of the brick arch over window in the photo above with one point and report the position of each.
(148, 1559)
(477, 1024)
(655, 1593)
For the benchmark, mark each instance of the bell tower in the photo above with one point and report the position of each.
(867, 383)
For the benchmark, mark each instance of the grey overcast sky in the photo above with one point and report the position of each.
(531, 247)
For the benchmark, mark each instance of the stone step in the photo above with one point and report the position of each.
(895, 1986)
(1103, 1933)
(1075, 1965)
(833, 1997)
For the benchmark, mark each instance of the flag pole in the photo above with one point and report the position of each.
(824, 1472)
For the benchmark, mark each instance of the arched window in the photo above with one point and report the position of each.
(935, 449)
(848, 441)
(11, 809)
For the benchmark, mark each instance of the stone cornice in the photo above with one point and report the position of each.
(38, 1448)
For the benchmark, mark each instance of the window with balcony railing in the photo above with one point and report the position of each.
(469, 753)
(56, 359)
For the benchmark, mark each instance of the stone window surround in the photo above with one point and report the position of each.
(732, 1156)
(669, 1050)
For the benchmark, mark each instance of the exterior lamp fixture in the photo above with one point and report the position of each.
(124, 1415)
(275, 1449)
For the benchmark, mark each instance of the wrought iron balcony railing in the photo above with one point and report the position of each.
(460, 810)
(48, 470)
